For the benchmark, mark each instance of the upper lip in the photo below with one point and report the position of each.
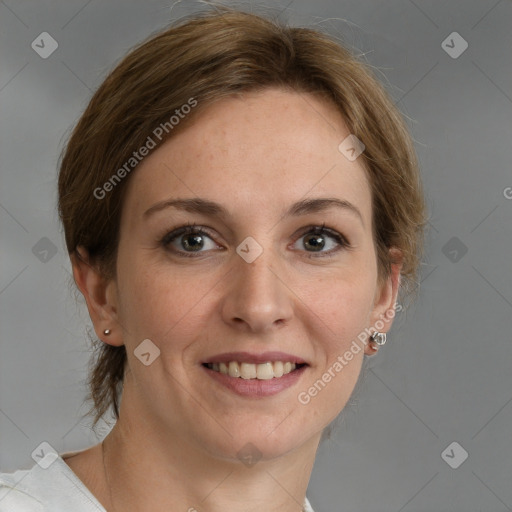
(248, 357)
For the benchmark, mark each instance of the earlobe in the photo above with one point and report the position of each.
(383, 312)
(100, 296)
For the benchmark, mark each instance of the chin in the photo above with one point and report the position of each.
(253, 440)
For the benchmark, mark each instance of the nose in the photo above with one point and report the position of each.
(257, 298)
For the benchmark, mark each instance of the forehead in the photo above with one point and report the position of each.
(255, 153)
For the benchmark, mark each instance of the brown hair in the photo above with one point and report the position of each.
(208, 56)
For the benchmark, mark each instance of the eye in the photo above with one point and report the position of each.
(188, 241)
(317, 238)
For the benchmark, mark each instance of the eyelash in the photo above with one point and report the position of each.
(194, 229)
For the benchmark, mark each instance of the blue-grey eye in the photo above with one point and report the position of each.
(189, 239)
(318, 238)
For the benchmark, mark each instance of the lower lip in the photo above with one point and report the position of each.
(254, 387)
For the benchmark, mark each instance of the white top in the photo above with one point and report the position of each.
(54, 489)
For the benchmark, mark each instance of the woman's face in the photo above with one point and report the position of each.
(254, 277)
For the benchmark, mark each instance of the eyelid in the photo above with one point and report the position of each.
(185, 229)
(192, 228)
(341, 240)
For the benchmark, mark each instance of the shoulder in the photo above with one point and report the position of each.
(307, 506)
(46, 488)
(14, 496)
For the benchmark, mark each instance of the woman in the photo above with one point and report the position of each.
(241, 204)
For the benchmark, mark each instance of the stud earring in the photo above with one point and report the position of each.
(377, 339)
(106, 332)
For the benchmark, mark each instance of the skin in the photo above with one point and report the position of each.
(256, 156)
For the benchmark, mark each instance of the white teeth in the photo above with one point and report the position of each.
(262, 371)
(278, 369)
(248, 371)
(233, 369)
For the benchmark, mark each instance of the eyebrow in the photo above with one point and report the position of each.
(211, 208)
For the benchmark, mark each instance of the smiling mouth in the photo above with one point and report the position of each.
(249, 371)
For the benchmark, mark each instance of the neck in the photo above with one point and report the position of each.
(149, 468)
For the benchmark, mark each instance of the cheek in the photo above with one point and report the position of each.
(159, 304)
(342, 305)
(338, 316)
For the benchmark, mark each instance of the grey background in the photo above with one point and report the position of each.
(444, 375)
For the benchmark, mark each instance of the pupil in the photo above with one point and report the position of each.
(197, 244)
(316, 242)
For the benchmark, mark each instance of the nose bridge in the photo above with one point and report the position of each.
(256, 296)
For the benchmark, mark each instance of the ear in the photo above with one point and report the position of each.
(383, 311)
(100, 295)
